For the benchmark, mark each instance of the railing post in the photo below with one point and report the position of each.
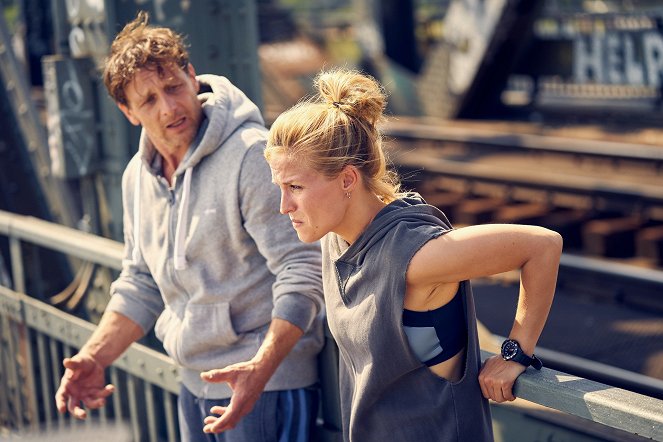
(23, 352)
(27, 374)
(18, 275)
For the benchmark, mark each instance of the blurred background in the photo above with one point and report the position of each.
(542, 112)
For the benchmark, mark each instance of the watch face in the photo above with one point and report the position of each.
(509, 349)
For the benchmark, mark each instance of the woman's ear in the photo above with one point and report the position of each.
(350, 175)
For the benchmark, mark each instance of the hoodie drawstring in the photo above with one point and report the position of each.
(180, 230)
(135, 253)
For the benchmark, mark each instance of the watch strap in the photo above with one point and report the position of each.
(525, 360)
(522, 358)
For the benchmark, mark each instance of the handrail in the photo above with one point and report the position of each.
(613, 407)
(139, 360)
(63, 239)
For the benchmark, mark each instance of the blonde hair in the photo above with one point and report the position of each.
(141, 46)
(338, 127)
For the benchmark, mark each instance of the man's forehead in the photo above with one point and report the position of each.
(156, 73)
(148, 77)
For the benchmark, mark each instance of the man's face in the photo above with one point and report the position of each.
(165, 103)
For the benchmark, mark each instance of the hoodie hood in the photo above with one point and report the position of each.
(225, 109)
(409, 212)
(409, 208)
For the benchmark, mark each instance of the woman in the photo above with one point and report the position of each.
(396, 275)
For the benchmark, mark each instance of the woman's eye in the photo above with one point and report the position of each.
(295, 187)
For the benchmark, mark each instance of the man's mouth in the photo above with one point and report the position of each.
(177, 123)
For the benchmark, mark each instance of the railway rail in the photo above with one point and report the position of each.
(490, 140)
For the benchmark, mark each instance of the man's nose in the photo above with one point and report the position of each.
(168, 105)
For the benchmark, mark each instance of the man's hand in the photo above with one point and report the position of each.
(497, 377)
(247, 381)
(83, 383)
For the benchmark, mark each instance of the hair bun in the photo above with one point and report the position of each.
(355, 94)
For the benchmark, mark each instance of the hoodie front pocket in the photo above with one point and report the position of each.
(205, 328)
(167, 329)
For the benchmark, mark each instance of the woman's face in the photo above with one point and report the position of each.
(315, 204)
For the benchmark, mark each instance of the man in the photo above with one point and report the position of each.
(237, 296)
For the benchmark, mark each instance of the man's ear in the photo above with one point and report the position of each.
(192, 74)
(127, 113)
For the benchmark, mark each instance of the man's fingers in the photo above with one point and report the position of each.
(106, 391)
(60, 402)
(209, 426)
(209, 420)
(95, 403)
(218, 375)
(218, 409)
(66, 400)
(73, 405)
(219, 424)
(72, 367)
(96, 398)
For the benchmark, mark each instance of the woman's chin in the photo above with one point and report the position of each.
(308, 238)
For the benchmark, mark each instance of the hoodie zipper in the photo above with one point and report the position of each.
(172, 221)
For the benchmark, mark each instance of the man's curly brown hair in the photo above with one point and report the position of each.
(141, 46)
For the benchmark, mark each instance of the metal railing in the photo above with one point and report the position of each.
(36, 336)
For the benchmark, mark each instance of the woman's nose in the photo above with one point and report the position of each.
(286, 204)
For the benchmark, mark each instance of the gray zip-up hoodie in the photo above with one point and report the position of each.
(211, 256)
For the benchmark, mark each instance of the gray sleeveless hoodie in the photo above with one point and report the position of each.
(386, 392)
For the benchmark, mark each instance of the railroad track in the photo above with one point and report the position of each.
(605, 198)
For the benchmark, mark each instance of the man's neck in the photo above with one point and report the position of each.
(169, 162)
(168, 170)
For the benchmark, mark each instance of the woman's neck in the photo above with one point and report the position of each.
(362, 210)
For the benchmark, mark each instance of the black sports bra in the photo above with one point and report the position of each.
(437, 335)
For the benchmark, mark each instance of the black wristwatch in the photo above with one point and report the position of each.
(511, 351)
